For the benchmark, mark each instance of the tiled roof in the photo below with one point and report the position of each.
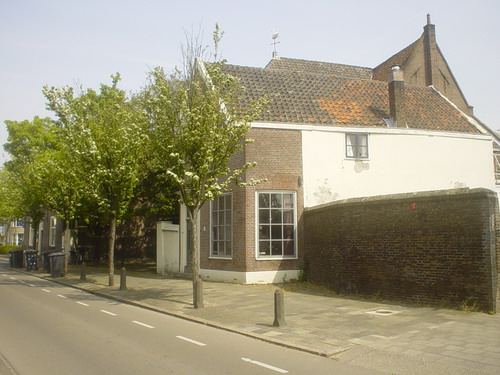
(308, 98)
(381, 71)
(307, 66)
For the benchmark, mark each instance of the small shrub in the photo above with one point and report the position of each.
(4, 249)
(469, 305)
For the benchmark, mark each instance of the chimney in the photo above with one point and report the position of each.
(429, 46)
(397, 96)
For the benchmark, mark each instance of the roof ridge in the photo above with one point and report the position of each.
(317, 61)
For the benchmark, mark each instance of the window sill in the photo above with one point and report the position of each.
(221, 257)
(270, 257)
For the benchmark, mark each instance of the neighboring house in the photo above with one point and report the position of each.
(12, 233)
(49, 235)
(334, 132)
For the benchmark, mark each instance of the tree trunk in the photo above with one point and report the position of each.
(195, 259)
(67, 242)
(112, 234)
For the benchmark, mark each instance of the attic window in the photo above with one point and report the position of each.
(356, 146)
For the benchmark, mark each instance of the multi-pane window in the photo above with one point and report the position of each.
(276, 223)
(356, 145)
(31, 235)
(52, 231)
(222, 236)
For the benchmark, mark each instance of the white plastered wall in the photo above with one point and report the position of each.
(400, 161)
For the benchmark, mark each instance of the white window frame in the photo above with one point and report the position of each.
(258, 256)
(224, 225)
(356, 148)
(52, 231)
(31, 234)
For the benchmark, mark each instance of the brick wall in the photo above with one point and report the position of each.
(433, 247)
(278, 154)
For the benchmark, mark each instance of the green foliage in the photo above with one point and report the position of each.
(4, 249)
(103, 143)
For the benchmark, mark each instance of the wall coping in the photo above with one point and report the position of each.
(461, 193)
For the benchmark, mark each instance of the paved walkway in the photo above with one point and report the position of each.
(392, 338)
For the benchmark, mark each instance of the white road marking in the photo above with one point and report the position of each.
(22, 282)
(32, 285)
(82, 303)
(13, 278)
(60, 295)
(45, 290)
(191, 341)
(4, 275)
(265, 365)
(142, 324)
(108, 312)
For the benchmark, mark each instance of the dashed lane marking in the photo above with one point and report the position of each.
(82, 303)
(191, 341)
(60, 295)
(32, 285)
(46, 290)
(108, 312)
(265, 365)
(142, 324)
(13, 278)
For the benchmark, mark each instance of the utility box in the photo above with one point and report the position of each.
(167, 248)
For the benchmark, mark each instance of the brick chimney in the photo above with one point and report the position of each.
(397, 96)
(429, 50)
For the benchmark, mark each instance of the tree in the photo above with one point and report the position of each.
(196, 126)
(26, 141)
(104, 136)
(9, 200)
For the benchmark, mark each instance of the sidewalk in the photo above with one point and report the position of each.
(396, 339)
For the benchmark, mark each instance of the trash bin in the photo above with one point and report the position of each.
(57, 264)
(16, 258)
(46, 260)
(30, 260)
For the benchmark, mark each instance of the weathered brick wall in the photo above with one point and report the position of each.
(433, 247)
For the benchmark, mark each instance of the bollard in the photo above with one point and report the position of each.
(198, 294)
(123, 279)
(279, 308)
(83, 271)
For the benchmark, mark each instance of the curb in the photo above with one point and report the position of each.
(205, 322)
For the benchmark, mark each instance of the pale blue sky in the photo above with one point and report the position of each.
(63, 42)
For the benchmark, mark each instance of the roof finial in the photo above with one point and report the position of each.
(274, 37)
(428, 19)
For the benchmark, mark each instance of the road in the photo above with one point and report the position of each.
(47, 328)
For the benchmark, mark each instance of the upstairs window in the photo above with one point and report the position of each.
(356, 146)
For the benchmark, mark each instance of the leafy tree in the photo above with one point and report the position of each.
(196, 126)
(9, 200)
(103, 134)
(26, 141)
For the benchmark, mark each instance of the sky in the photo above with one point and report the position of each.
(75, 42)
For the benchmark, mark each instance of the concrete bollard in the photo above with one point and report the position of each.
(123, 279)
(279, 308)
(83, 271)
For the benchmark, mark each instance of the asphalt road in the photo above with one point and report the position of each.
(46, 328)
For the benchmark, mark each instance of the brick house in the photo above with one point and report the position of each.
(334, 132)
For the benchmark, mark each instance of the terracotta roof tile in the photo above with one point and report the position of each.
(319, 67)
(309, 98)
(381, 71)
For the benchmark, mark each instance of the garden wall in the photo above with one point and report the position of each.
(432, 247)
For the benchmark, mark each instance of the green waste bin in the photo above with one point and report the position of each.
(16, 258)
(57, 264)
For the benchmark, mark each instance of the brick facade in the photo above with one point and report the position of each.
(278, 156)
(433, 247)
